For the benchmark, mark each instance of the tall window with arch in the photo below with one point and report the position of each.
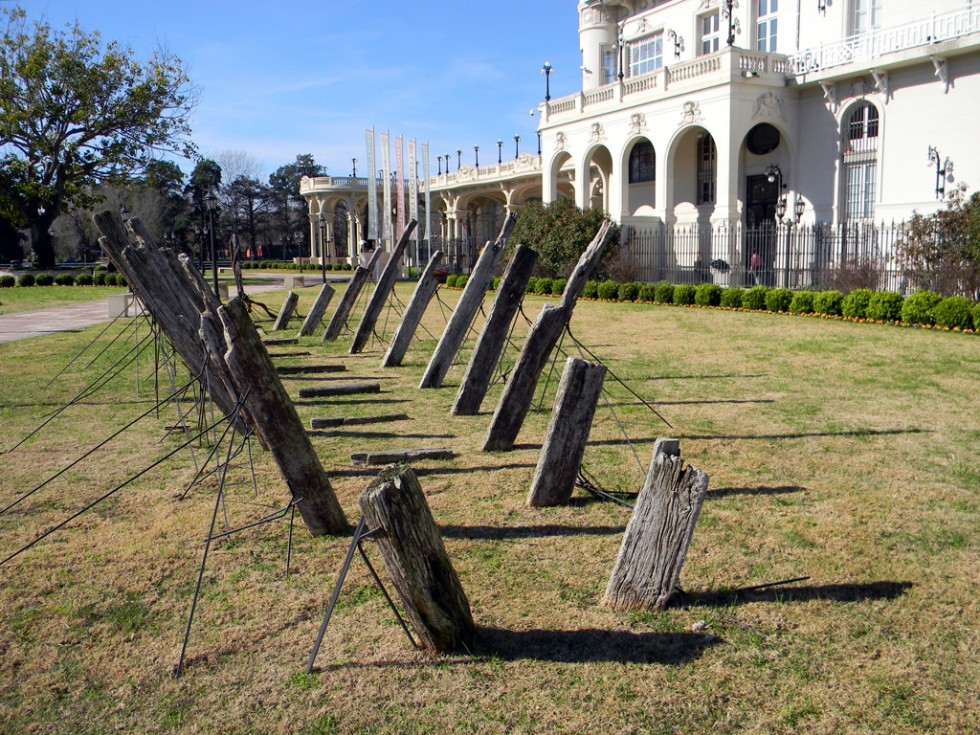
(860, 161)
(765, 24)
(707, 169)
(642, 175)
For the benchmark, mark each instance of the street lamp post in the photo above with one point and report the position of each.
(439, 158)
(539, 142)
(354, 170)
(476, 156)
(500, 149)
(517, 146)
(728, 12)
(211, 202)
(774, 175)
(546, 70)
(459, 158)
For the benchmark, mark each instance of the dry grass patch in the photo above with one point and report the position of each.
(842, 452)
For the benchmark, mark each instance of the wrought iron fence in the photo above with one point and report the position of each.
(820, 256)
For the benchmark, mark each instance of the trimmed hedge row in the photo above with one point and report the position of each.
(279, 265)
(923, 308)
(27, 280)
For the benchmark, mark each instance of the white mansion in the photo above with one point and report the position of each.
(727, 115)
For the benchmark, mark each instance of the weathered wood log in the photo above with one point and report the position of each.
(273, 341)
(167, 291)
(309, 369)
(347, 301)
(286, 312)
(341, 389)
(335, 421)
(469, 303)
(518, 393)
(275, 420)
(319, 308)
(658, 533)
(381, 292)
(426, 288)
(415, 557)
(568, 430)
(400, 455)
(492, 337)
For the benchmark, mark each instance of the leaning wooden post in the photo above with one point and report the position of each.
(286, 312)
(424, 292)
(490, 343)
(319, 308)
(540, 342)
(469, 302)
(658, 533)
(277, 424)
(416, 560)
(347, 301)
(385, 283)
(568, 430)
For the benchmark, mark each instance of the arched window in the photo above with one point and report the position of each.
(642, 163)
(860, 161)
(707, 169)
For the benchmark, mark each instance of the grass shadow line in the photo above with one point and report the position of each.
(722, 492)
(501, 533)
(859, 592)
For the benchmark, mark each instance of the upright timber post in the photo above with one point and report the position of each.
(658, 533)
(319, 308)
(541, 340)
(286, 312)
(385, 283)
(416, 559)
(424, 292)
(490, 343)
(568, 431)
(469, 302)
(347, 301)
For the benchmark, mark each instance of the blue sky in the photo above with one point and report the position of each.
(279, 78)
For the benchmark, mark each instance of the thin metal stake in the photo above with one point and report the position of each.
(391, 603)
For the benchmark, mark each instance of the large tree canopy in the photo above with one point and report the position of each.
(76, 112)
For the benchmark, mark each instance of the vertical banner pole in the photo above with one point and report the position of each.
(372, 183)
(413, 198)
(427, 223)
(386, 172)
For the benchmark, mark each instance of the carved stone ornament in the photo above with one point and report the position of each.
(859, 88)
(705, 4)
(691, 113)
(830, 94)
(642, 25)
(559, 141)
(596, 133)
(768, 105)
(638, 122)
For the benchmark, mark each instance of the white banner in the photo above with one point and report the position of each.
(413, 189)
(400, 184)
(386, 203)
(372, 182)
(428, 197)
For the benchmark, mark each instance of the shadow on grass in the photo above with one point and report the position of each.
(803, 434)
(422, 471)
(591, 645)
(339, 377)
(501, 533)
(333, 401)
(722, 492)
(704, 377)
(376, 434)
(884, 590)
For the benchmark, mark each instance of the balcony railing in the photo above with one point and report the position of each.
(877, 43)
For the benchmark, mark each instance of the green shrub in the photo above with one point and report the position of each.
(918, 308)
(461, 280)
(976, 316)
(348, 267)
(544, 286)
(558, 286)
(494, 283)
(884, 306)
(591, 290)
(64, 279)
(648, 293)
(663, 292)
(609, 290)
(7, 281)
(98, 278)
(707, 294)
(755, 298)
(25, 280)
(451, 280)
(110, 279)
(44, 279)
(83, 279)
(100, 267)
(802, 303)
(684, 294)
(855, 304)
(778, 299)
(954, 312)
(628, 291)
(121, 280)
(732, 297)
(532, 285)
(828, 302)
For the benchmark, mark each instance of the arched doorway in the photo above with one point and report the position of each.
(641, 176)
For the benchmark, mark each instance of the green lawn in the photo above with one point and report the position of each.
(40, 297)
(843, 452)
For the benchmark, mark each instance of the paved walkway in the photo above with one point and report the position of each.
(74, 317)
